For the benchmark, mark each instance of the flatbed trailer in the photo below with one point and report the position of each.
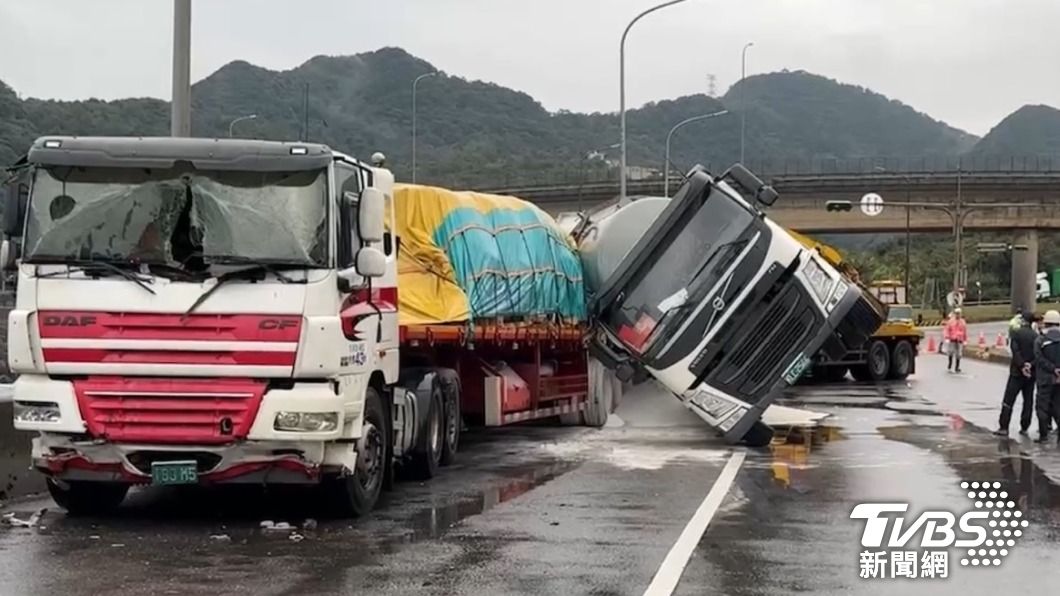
(513, 372)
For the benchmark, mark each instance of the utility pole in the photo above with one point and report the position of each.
(180, 121)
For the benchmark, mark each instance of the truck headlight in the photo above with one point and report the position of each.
(312, 422)
(819, 279)
(837, 295)
(37, 411)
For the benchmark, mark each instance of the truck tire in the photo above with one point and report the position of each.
(427, 457)
(901, 361)
(357, 493)
(877, 363)
(759, 435)
(601, 394)
(87, 498)
(450, 382)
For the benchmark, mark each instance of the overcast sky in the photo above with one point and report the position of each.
(967, 62)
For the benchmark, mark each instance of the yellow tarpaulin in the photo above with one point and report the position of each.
(466, 255)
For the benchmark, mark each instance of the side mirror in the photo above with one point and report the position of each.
(10, 252)
(767, 195)
(371, 262)
(371, 213)
(15, 199)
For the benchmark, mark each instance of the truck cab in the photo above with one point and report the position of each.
(713, 299)
(204, 311)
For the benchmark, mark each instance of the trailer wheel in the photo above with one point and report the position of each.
(87, 498)
(759, 435)
(451, 439)
(356, 494)
(877, 363)
(901, 361)
(428, 456)
(601, 394)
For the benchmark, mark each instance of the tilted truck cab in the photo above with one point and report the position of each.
(714, 300)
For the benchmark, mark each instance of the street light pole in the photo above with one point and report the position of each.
(666, 165)
(622, 91)
(240, 119)
(743, 93)
(415, 83)
(180, 115)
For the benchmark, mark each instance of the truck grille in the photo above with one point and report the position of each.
(168, 411)
(755, 362)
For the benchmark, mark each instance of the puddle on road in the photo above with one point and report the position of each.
(432, 522)
(973, 457)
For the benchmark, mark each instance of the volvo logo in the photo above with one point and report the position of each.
(718, 303)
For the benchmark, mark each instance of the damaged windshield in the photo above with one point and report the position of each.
(177, 217)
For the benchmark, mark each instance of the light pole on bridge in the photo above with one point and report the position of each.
(622, 91)
(415, 83)
(666, 163)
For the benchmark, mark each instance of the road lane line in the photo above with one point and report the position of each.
(669, 574)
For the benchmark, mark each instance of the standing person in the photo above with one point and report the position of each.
(956, 334)
(1047, 371)
(1021, 377)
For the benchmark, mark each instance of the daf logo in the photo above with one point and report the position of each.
(718, 303)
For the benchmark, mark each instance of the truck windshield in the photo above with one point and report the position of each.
(683, 271)
(171, 217)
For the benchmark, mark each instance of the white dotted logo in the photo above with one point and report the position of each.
(1006, 524)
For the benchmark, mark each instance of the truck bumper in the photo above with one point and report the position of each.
(66, 458)
(126, 431)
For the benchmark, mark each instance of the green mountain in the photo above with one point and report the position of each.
(473, 133)
(1030, 130)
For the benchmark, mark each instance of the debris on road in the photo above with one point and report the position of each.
(270, 526)
(221, 538)
(296, 538)
(9, 519)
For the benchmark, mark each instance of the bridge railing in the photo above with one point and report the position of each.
(766, 167)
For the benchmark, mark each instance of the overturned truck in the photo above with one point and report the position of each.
(714, 300)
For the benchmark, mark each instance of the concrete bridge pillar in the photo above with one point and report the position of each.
(1024, 269)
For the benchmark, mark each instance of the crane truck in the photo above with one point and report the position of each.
(201, 311)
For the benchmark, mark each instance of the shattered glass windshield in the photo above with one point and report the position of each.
(173, 217)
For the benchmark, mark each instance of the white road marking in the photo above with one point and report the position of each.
(669, 574)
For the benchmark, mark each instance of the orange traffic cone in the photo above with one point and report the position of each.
(982, 340)
(931, 347)
(1000, 343)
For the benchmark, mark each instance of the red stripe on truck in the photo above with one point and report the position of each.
(116, 325)
(103, 356)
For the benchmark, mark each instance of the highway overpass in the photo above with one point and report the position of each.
(802, 199)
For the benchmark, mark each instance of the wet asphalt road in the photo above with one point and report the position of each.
(576, 511)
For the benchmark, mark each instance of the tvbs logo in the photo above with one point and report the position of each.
(987, 531)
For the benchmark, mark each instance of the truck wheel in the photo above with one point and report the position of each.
(428, 455)
(877, 363)
(356, 494)
(87, 498)
(601, 389)
(901, 361)
(759, 435)
(451, 437)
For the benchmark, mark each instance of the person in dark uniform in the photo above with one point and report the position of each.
(1047, 372)
(1021, 377)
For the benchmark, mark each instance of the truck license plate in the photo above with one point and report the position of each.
(174, 472)
(796, 368)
